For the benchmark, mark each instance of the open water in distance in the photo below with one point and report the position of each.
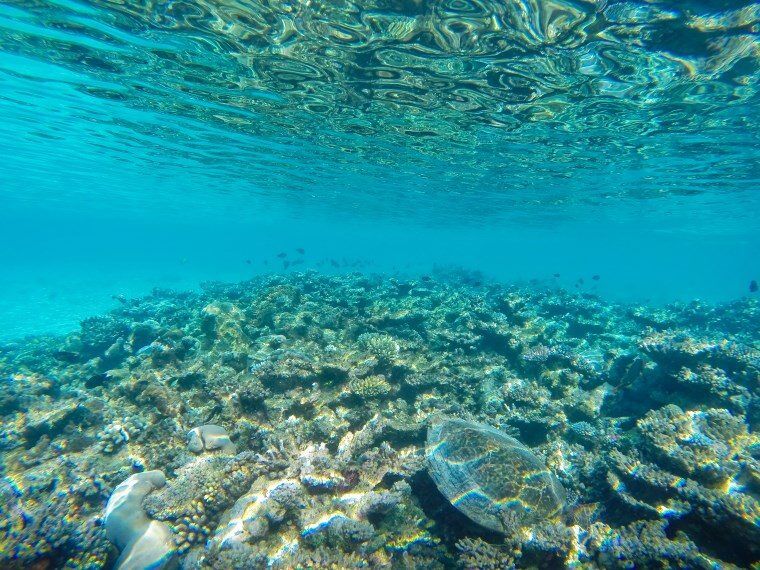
(161, 144)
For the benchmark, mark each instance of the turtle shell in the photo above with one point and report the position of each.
(492, 478)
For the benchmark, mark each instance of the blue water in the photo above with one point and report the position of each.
(163, 144)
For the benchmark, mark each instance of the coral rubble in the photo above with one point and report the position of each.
(281, 423)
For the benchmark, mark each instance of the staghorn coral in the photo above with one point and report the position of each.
(48, 532)
(314, 559)
(476, 554)
(239, 557)
(703, 445)
(340, 532)
(645, 543)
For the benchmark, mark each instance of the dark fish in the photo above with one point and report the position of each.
(286, 264)
(66, 356)
(248, 261)
(334, 263)
(282, 255)
(595, 277)
(120, 298)
(753, 286)
(96, 380)
(556, 275)
(300, 250)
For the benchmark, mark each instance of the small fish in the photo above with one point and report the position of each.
(753, 286)
(595, 277)
(286, 264)
(120, 298)
(282, 255)
(248, 261)
(556, 275)
(334, 263)
(300, 250)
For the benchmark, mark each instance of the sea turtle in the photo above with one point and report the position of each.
(492, 478)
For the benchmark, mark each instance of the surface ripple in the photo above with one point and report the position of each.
(402, 105)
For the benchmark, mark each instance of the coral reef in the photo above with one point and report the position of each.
(289, 415)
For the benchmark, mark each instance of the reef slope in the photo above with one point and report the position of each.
(326, 385)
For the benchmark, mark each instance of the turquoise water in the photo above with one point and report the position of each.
(160, 144)
(392, 284)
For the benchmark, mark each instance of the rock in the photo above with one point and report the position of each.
(144, 544)
(209, 438)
